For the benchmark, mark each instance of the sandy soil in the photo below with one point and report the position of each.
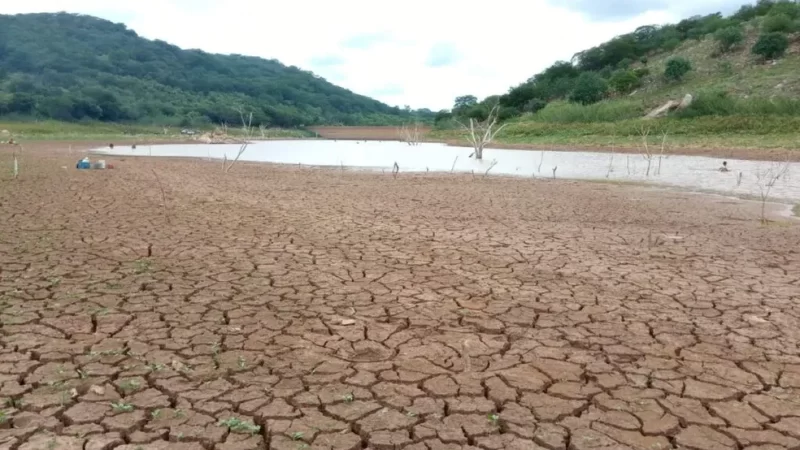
(143, 306)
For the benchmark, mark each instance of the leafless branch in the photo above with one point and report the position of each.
(494, 163)
(242, 148)
(661, 155)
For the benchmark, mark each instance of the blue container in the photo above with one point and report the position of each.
(84, 165)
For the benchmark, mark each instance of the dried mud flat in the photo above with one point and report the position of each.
(289, 308)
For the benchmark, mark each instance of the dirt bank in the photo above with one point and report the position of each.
(160, 304)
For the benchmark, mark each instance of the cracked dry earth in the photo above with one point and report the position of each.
(290, 309)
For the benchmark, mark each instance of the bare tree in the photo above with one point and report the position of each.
(661, 155)
(646, 152)
(483, 133)
(263, 130)
(411, 135)
(766, 179)
(247, 128)
(247, 121)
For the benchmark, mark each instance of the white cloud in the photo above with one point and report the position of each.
(497, 46)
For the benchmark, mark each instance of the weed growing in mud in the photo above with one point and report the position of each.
(494, 419)
(297, 435)
(129, 386)
(122, 407)
(179, 414)
(3, 417)
(82, 374)
(156, 367)
(237, 425)
(15, 403)
(142, 266)
(349, 397)
(241, 363)
(155, 414)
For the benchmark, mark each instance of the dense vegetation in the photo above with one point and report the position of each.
(624, 66)
(74, 68)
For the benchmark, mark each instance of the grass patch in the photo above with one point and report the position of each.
(715, 132)
(237, 425)
(605, 111)
(66, 131)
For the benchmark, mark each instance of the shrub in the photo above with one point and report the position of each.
(604, 111)
(624, 81)
(777, 22)
(771, 45)
(644, 60)
(671, 44)
(788, 8)
(677, 68)
(534, 105)
(589, 88)
(641, 72)
(728, 38)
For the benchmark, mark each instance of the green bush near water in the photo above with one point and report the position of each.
(694, 127)
(719, 103)
(605, 111)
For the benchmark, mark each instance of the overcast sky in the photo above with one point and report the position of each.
(418, 53)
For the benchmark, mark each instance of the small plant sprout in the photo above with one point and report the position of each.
(349, 397)
(494, 419)
(143, 265)
(242, 363)
(411, 414)
(156, 367)
(155, 414)
(129, 385)
(179, 413)
(121, 406)
(3, 417)
(237, 425)
(297, 435)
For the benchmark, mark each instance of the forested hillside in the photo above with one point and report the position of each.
(72, 67)
(745, 64)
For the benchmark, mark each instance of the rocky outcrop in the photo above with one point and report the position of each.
(669, 106)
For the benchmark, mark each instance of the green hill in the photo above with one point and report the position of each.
(740, 99)
(71, 67)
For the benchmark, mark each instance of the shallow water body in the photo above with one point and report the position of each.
(689, 172)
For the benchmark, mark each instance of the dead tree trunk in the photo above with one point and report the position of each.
(481, 134)
(411, 135)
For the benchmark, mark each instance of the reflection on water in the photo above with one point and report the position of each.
(693, 172)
